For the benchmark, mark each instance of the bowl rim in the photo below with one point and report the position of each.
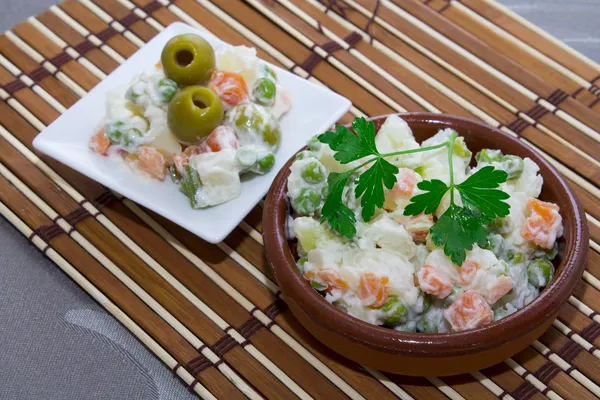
(546, 305)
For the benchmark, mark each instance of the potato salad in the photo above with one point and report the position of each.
(202, 116)
(390, 272)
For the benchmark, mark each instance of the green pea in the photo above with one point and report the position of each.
(131, 95)
(130, 136)
(514, 256)
(264, 91)
(395, 310)
(488, 156)
(303, 155)
(300, 265)
(410, 326)
(549, 254)
(307, 201)
(246, 158)
(540, 272)
(427, 326)
(318, 285)
(324, 191)
(167, 89)
(265, 164)
(424, 300)
(114, 131)
(313, 143)
(313, 172)
(456, 291)
(495, 243)
(460, 148)
(513, 166)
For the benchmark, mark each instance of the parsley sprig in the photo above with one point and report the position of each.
(457, 230)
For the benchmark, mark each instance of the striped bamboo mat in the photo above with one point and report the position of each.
(212, 313)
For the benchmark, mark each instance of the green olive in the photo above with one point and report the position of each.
(395, 310)
(307, 201)
(313, 172)
(264, 91)
(194, 112)
(540, 272)
(188, 59)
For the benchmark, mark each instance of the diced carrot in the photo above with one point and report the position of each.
(406, 182)
(333, 279)
(152, 161)
(223, 137)
(468, 270)
(158, 65)
(182, 159)
(229, 86)
(502, 286)
(418, 226)
(469, 311)
(434, 282)
(542, 226)
(99, 142)
(372, 289)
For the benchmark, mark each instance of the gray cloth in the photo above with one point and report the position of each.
(57, 343)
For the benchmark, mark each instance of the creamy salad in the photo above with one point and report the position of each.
(202, 116)
(391, 273)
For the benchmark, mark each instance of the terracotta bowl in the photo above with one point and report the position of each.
(420, 354)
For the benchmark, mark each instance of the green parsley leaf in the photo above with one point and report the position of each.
(429, 201)
(458, 229)
(369, 186)
(349, 146)
(479, 191)
(334, 211)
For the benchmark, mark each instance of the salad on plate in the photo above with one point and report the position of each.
(420, 237)
(202, 116)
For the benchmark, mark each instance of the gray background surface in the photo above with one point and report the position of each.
(57, 343)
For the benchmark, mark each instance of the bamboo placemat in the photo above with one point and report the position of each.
(212, 313)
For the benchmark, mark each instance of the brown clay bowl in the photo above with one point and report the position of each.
(420, 354)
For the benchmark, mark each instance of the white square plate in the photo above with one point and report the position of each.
(314, 110)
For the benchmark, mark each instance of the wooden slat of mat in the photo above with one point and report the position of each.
(476, 25)
(519, 74)
(149, 321)
(536, 38)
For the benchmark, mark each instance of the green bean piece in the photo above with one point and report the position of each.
(190, 184)
(300, 265)
(488, 156)
(167, 89)
(174, 174)
(246, 158)
(513, 166)
(460, 148)
(313, 172)
(540, 272)
(395, 310)
(307, 202)
(264, 91)
(318, 285)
